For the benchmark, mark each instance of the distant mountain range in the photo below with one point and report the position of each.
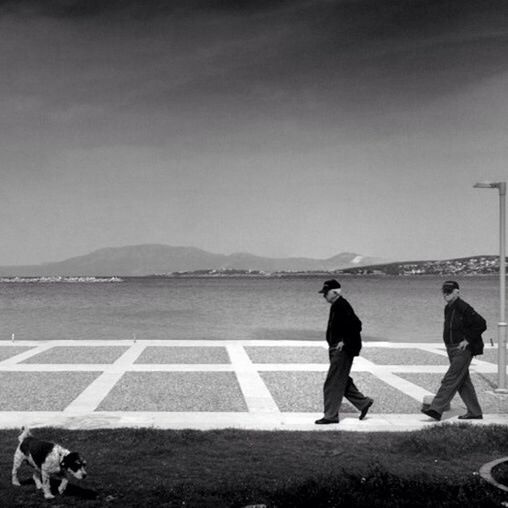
(138, 260)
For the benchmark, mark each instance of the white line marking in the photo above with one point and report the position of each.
(21, 357)
(402, 385)
(214, 343)
(113, 368)
(484, 368)
(89, 399)
(257, 396)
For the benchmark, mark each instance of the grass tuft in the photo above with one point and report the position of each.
(456, 439)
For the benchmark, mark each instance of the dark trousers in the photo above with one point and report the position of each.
(338, 384)
(457, 379)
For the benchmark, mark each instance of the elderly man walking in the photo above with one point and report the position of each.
(462, 335)
(344, 341)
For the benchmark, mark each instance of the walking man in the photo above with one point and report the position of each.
(344, 341)
(462, 334)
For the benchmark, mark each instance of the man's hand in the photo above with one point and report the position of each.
(463, 345)
(340, 345)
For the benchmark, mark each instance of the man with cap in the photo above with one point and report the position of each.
(462, 335)
(344, 341)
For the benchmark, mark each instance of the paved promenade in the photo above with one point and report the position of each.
(249, 384)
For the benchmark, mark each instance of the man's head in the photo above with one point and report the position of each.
(451, 290)
(330, 290)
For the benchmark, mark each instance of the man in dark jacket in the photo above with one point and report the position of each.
(462, 335)
(344, 341)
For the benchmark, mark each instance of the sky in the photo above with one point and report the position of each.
(279, 128)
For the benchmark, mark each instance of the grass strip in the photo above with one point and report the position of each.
(434, 467)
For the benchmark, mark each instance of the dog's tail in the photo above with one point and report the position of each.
(25, 432)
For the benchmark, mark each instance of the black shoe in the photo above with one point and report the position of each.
(365, 410)
(326, 421)
(469, 416)
(431, 413)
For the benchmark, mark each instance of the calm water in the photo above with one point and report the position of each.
(397, 309)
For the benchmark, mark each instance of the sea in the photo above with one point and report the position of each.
(400, 309)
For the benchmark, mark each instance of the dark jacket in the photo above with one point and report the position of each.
(461, 322)
(344, 325)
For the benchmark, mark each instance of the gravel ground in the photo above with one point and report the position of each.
(489, 355)
(396, 356)
(41, 391)
(484, 384)
(293, 391)
(9, 351)
(184, 354)
(262, 354)
(78, 354)
(175, 391)
(303, 392)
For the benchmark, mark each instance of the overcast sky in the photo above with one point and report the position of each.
(280, 128)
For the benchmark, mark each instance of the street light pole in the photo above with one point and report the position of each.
(502, 288)
(501, 326)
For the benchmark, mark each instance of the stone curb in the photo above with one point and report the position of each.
(486, 473)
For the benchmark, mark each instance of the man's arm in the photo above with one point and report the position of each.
(474, 326)
(346, 325)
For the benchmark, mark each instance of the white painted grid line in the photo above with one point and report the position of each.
(115, 368)
(257, 396)
(483, 368)
(402, 385)
(21, 357)
(90, 398)
(220, 342)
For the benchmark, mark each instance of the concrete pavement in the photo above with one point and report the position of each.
(248, 384)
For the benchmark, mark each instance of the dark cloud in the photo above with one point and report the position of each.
(310, 60)
(135, 8)
(373, 17)
(415, 18)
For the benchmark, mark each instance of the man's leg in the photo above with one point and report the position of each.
(468, 395)
(336, 381)
(355, 396)
(453, 379)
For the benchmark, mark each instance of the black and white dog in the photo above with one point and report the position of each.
(47, 459)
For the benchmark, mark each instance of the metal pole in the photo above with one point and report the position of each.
(502, 288)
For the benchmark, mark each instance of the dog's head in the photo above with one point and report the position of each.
(75, 465)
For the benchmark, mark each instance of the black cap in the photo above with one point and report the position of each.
(449, 286)
(329, 284)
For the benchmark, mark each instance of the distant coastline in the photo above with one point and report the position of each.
(61, 279)
(110, 265)
(467, 266)
(471, 265)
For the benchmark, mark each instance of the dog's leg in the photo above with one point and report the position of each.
(16, 464)
(46, 487)
(37, 479)
(63, 485)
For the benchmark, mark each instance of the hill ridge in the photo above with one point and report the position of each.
(149, 259)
